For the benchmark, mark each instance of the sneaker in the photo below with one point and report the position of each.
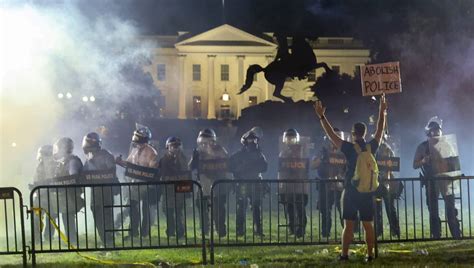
(342, 258)
(368, 259)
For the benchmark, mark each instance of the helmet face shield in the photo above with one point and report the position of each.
(289, 140)
(291, 136)
(203, 141)
(142, 134)
(44, 151)
(63, 147)
(91, 143)
(249, 138)
(434, 127)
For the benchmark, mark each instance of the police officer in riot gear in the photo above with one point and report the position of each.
(100, 160)
(247, 164)
(173, 167)
(210, 161)
(329, 192)
(70, 199)
(144, 155)
(423, 160)
(293, 165)
(45, 170)
(389, 191)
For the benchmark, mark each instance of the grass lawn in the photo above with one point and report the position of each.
(440, 254)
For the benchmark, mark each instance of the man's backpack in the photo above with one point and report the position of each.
(366, 174)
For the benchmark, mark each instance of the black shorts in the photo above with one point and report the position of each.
(353, 202)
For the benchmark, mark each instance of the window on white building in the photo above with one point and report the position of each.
(224, 72)
(161, 72)
(196, 72)
(312, 76)
(197, 106)
(253, 100)
(357, 70)
(336, 68)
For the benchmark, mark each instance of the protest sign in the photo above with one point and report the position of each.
(378, 79)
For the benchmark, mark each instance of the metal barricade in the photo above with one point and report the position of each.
(125, 216)
(303, 212)
(12, 240)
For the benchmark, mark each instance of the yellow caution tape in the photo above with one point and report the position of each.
(398, 251)
(361, 250)
(63, 237)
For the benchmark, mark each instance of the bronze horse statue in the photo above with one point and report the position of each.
(294, 65)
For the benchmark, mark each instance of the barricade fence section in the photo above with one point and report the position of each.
(175, 214)
(12, 226)
(283, 212)
(95, 217)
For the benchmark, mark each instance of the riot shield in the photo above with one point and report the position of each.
(444, 159)
(100, 176)
(444, 156)
(143, 174)
(293, 164)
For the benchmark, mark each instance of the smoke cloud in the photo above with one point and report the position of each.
(54, 59)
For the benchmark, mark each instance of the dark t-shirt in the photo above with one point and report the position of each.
(348, 150)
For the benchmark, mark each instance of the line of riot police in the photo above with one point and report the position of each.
(210, 162)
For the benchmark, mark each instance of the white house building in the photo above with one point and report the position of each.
(199, 75)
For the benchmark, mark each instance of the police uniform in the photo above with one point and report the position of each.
(248, 164)
(70, 200)
(173, 167)
(142, 154)
(433, 189)
(211, 163)
(45, 170)
(294, 196)
(388, 196)
(102, 198)
(329, 192)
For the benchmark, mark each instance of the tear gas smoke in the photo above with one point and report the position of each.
(55, 61)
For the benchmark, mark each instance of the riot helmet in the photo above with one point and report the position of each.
(434, 127)
(44, 151)
(91, 143)
(257, 131)
(206, 137)
(142, 134)
(173, 144)
(291, 136)
(250, 140)
(63, 147)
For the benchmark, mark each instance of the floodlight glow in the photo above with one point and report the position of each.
(13, 144)
(60, 95)
(68, 95)
(92, 98)
(85, 99)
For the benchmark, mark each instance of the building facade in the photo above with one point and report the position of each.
(199, 75)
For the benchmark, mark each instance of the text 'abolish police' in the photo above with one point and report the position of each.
(378, 79)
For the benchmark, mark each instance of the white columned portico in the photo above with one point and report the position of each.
(268, 87)
(211, 98)
(181, 88)
(240, 81)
